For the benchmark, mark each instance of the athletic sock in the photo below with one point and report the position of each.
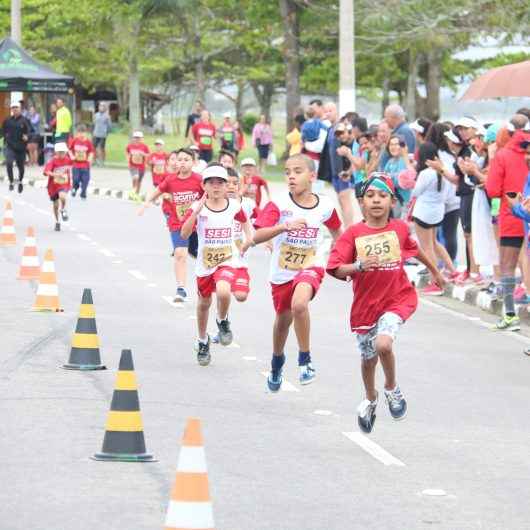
(277, 362)
(204, 341)
(508, 287)
(304, 357)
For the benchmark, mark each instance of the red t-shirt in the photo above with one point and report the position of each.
(253, 188)
(180, 194)
(137, 155)
(203, 134)
(382, 290)
(81, 148)
(157, 161)
(58, 171)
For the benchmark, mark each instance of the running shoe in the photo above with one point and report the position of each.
(57, 227)
(463, 277)
(11, 186)
(508, 323)
(203, 353)
(64, 215)
(132, 195)
(225, 334)
(366, 414)
(274, 380)
(432, 290)
(307, 374)
(526, 351)
(181, 296)
(476, 278)
(74, 192)
(451, 276)
(20, 187)
(396, 403)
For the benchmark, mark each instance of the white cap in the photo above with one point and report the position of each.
(193, 147)
(227, 115)
(248, 162)
(450, 135)
(481, 130)
(415, 126)
(159, 141)
(467, 123)
(16, 98)
(60, 147)
(138, 134)
(215, 171)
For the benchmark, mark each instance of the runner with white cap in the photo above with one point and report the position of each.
(252, 183)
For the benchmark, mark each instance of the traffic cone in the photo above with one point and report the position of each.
(8, 236)
(84, 354)
(190, 505)
(47, 291)
(29, 266)
(124, 435)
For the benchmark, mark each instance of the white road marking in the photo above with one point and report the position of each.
(151, 285)
(137, 274)
(234, 345)
(83, 237)
(434, 493)
(373, 449)
(169, 300)
(117, 261)
(249, 358)
(286, 386)
(320, 412)
(107, 253)
(192, 317)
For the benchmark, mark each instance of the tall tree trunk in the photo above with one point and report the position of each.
(200, 76)
(291, 53)
(264, 95)
(241, 85)
(135, 113)
(385, 101)
(433, 82)
(410, 97)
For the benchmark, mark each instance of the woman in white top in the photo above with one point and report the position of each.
(429, 210)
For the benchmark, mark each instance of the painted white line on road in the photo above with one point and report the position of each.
(192, 317)
(321, 412)
(249, 358)
(137, 274)
(478, 321)
(152, 285)
(434, 493)
(83, 237)
(94, 243)
(286, 386)
(234, 345)
(107, 253)
(169, 300)
(117, 261)
(373, 449)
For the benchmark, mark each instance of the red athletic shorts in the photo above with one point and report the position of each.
(282, 293)
(241, 281)
(206, 284)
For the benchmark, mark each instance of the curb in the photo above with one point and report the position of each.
(91, 190)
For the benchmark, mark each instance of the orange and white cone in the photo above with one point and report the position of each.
(8, 236)
(29, 266)
(190, 506)
(47, 291)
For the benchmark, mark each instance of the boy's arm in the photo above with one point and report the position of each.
(267, 191)
(191, 218)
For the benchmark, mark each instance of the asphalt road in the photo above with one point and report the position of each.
(459, 461)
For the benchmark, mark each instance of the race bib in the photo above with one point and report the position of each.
(385, 246)
(60, 179)
(80, 156)
(137, 158)
(214, 256)
(295, 258)
(158, 169)
(205, 140)
(228, 136)
(181, 210)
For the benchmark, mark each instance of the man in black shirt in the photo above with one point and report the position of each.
(193, 118)
(15, 130)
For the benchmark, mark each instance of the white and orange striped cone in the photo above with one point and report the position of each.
(29, 266)
(190, 505)
(47, 291)
(8, 236)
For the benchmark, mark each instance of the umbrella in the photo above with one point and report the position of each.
(512, 81)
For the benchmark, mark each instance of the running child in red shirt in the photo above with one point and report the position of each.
(157, 162)
(58, 170)
(372, 254)
(180, 189)
(82, 153)
(252, 184)
(213, 219)
(295, 223)
(137, 153)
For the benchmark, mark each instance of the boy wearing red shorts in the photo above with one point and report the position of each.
(372, 254)
(137, 153)
(213, 219)
(295, 223)
(157, 162)
(59, 173)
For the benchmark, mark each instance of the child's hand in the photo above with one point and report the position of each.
(245, 246)
(202, 202)
(370, 263)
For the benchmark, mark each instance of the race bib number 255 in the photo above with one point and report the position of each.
(385, 246)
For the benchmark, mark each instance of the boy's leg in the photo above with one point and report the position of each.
(366, 410)
(302, 295)
(180, 264)
(241, 286)
(222, 291)
(85, 179)
(75, 180)
(280, 332)
(383, 346)
(203, 309)
(56, 210)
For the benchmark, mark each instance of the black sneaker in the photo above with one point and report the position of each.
(203, 353)
(396, 403)
(64, 215)
(274, 380)
(225, 334)
(366, 415)
(57, 227)
(20, 187)
(74, 192)
(11, 186)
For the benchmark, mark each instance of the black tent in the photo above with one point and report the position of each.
(19, 72)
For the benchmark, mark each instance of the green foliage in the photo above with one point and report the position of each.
(248, 121)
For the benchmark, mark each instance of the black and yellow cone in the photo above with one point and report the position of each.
(124, 435)
(84, 354)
